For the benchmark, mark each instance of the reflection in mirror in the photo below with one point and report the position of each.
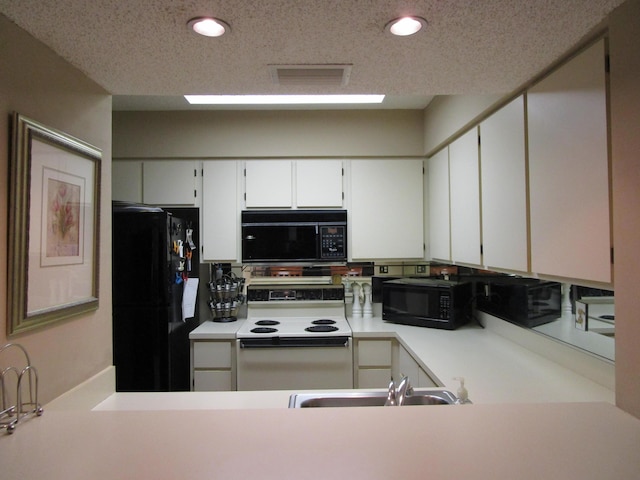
(582, 317)
(587, 320)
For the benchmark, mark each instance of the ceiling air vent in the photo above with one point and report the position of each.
(310, 75)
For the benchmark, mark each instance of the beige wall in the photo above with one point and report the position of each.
(449, 115)
(37, 83)
(289, 133)
(442, 118)
(625, 146)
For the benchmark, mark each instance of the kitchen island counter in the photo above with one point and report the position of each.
(523, 441)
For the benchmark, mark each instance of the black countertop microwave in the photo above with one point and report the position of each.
(294, 236)
(427, 302)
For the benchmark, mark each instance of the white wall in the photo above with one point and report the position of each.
(447, 115)
(39, 84)
(624, 50)
(255, 134)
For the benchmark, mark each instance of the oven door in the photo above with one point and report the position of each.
(303, 363)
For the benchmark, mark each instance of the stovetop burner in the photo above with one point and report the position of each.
(264, 330)
(321, 328)
(267, 323)
(324, 321)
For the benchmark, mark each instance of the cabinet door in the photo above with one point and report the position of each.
(407, 366)
(268, 183)
(569, 170)
(126, 180)
(212, 381)
(169, 182)
(464, 184)
(439, 209)
(387, 209)
(504, 189)
(319, 183)
(424, 380)
(220, 217)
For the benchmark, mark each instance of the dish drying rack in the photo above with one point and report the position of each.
(11, 414)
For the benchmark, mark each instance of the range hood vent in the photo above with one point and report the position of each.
(311, 75)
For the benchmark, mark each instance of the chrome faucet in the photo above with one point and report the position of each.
(397, 395)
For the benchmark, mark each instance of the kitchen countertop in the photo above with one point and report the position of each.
(523, 441)
(496, 370)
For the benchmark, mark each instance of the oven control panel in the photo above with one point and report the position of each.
(293, 293)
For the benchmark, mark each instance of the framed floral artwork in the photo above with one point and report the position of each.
(53, 226)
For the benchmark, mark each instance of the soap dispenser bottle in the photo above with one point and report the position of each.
(462, 393)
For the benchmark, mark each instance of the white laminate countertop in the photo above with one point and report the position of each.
(496, 370)
(497, 442)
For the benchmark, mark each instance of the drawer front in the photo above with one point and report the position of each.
(211, 354)
(374, 353)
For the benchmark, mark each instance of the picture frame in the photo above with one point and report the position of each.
(53, 231)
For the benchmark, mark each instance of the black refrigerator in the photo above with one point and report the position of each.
(153, 254)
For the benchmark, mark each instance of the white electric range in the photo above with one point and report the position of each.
(296, 337)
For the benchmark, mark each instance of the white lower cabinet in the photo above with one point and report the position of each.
(213, 365)
(373, 362)
(409, 367)
(377, 361)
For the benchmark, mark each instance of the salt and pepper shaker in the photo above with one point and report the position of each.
(367, 309)
(357, 307)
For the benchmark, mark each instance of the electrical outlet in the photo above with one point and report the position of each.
(384, 269)
(421, 269)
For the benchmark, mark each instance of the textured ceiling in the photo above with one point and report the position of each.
(143, 47)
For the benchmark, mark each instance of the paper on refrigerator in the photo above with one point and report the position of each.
(189, 298)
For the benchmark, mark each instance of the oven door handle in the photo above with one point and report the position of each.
(294, 342)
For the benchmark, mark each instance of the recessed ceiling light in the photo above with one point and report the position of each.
(281, 99)
(209, 26)
(405, 26)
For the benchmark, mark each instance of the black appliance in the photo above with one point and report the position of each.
(525, 301)
(150, 338)
(427, 302)
(285, 236)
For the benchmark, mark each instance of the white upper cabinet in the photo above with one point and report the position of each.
(268, 183)
(155, 182)
(319, 183)
(293, 183)
(126, 180)
(569, 170)
(386, 214)
(464, 184)
(169, 182)
(504, 188)
(220, 213)
(439, 212)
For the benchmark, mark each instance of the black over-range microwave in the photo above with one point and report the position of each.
(427, 302)
(286, 236)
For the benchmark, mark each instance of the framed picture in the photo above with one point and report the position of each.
(54, 205)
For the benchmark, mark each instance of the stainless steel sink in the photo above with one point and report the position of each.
(358, 398)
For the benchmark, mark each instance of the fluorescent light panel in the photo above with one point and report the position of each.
(281, 99)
